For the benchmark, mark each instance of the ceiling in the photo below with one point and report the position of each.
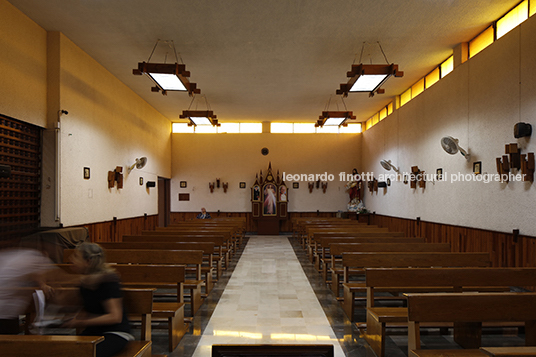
(268, 60)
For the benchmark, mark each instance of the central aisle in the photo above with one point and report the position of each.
(268, 300)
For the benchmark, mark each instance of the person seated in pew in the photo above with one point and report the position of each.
(204, 214)
(100, 289)
(20, 269)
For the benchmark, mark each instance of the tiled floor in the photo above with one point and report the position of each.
(272, 294)
(268, 300)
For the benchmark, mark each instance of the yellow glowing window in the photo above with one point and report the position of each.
(417, 88)
(390, 109)
(513, 18)
(328, 129)
(251, 128)
(229, 128)
(383, 113)
(181, 128)
(481, 41)
(405, 97)
(375, 118)
(206, 129)
(532, 7)
(432, 78)
(447, 66)
(368, 124)
(281, 128)
(304, 128)
(351, 129)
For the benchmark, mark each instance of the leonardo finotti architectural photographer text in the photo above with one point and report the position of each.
(406, 176)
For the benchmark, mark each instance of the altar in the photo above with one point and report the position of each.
(269, 202)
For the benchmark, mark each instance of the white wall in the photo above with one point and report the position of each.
(234, 158)
(478, 103)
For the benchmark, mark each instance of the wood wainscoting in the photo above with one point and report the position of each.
(113, 231)
(251, 225)
(506, 249)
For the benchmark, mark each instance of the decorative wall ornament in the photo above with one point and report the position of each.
(116, 176)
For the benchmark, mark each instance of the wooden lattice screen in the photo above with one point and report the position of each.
(20, 193)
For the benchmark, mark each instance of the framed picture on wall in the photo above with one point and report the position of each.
(439, 174)
(477, 167)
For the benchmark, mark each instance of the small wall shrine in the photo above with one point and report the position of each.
(269, 202)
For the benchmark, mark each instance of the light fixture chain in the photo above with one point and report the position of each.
(381, 49)
(152, 52)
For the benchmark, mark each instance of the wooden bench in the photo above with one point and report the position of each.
(337, 249)
(163, 257)
(157, 276)
(207, 248)
(337, 271)
(138, 301)
(468, 311)
(312, 240)
(509, 351)
(404, 280)
(399, 259)
(221, 255)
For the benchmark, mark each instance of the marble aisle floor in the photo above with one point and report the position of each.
(268, 300)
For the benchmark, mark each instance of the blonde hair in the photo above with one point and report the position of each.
(94, 254)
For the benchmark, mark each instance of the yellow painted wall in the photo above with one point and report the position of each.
(23, 59)
(108, 125)
(201, 158)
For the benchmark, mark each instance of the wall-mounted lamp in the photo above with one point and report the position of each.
(225, 186)
(311, 186)
(211, 186)
(324, 187)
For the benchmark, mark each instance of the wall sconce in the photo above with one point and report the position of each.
(225, 185)
(218, 183)
(311, 186)
(211, 186)
(324, 187)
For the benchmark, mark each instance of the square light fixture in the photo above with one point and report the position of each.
(200, 117)
(334, 118)
(368, 78)
(167, 77)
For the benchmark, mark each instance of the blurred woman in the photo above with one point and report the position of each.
(103, 313)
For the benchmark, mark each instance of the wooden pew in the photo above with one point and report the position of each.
(163, 257)
(221, 242)
(138, 301)
(337, 249)
(315, 243)
(405, 280)
(157, 276)
(400, 259)
(468, 311)
(338, 272)
(141, 277)
(517, 351)
(207, 248)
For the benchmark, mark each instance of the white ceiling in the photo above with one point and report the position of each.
(268, 60)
